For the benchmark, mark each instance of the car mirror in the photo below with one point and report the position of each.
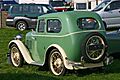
(107, 9)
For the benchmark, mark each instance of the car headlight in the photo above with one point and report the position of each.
(18, 37)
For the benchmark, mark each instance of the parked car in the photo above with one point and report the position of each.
(23, 16)
(109, 10)
(62, 5)
(63, 42)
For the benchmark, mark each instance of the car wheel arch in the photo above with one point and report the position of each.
(24, 51)
(12, 43)
(50, 48)
(61, 50)
(21, 20)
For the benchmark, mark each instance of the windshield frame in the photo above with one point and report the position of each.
(101, 6)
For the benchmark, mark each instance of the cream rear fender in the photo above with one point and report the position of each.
(24, 51)
(66, 62)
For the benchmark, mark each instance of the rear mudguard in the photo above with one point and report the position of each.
(65, 59)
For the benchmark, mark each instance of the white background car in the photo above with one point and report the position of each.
(110, 13)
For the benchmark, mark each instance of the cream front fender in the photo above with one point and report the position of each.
(24, 51)
(66, 62)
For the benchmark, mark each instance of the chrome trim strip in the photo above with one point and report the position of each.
(67, 34)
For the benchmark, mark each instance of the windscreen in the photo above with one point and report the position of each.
(100, 6)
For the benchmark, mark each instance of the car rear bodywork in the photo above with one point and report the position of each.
(64, 42)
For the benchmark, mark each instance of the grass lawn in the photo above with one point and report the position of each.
(30, 72)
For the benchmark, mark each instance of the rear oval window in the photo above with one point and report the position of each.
(87, 23)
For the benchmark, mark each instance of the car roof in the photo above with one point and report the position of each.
(71, 14)
(31, 4)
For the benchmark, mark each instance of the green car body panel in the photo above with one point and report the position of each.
(70, 38)
(66, 40)
(113, 40)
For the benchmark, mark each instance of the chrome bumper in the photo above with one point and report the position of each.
(83, 65)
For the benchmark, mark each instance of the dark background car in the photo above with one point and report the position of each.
(24, 16)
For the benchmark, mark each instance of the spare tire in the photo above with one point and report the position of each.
(94, 48)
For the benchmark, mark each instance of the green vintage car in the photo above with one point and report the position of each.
(65, 40)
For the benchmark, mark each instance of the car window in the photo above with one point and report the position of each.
(35, 9)
(87, 23)
(114, 5)
(54, 26)
(16, 9)
(80, 6)
(25, 9)
(41, 25)
(101, 5)
(47, 9)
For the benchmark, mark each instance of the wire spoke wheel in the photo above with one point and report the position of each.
(16, 57)
(95, 47)
(56, 63)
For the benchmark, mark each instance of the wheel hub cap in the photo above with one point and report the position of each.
(58, 63)
(21, 26)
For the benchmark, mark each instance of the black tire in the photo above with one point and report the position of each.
(56, 63)
(15, 56)
(21, 25)
(94, 48)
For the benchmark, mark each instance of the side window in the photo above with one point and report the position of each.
(17, 9)
(80, 6)
(25, 8)
(87, 23)
(45, 10)
(35, 9)
(113, 6)
(41, 25)
(39, 9)
(54, 26)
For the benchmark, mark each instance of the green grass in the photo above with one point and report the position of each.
(30, 72)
